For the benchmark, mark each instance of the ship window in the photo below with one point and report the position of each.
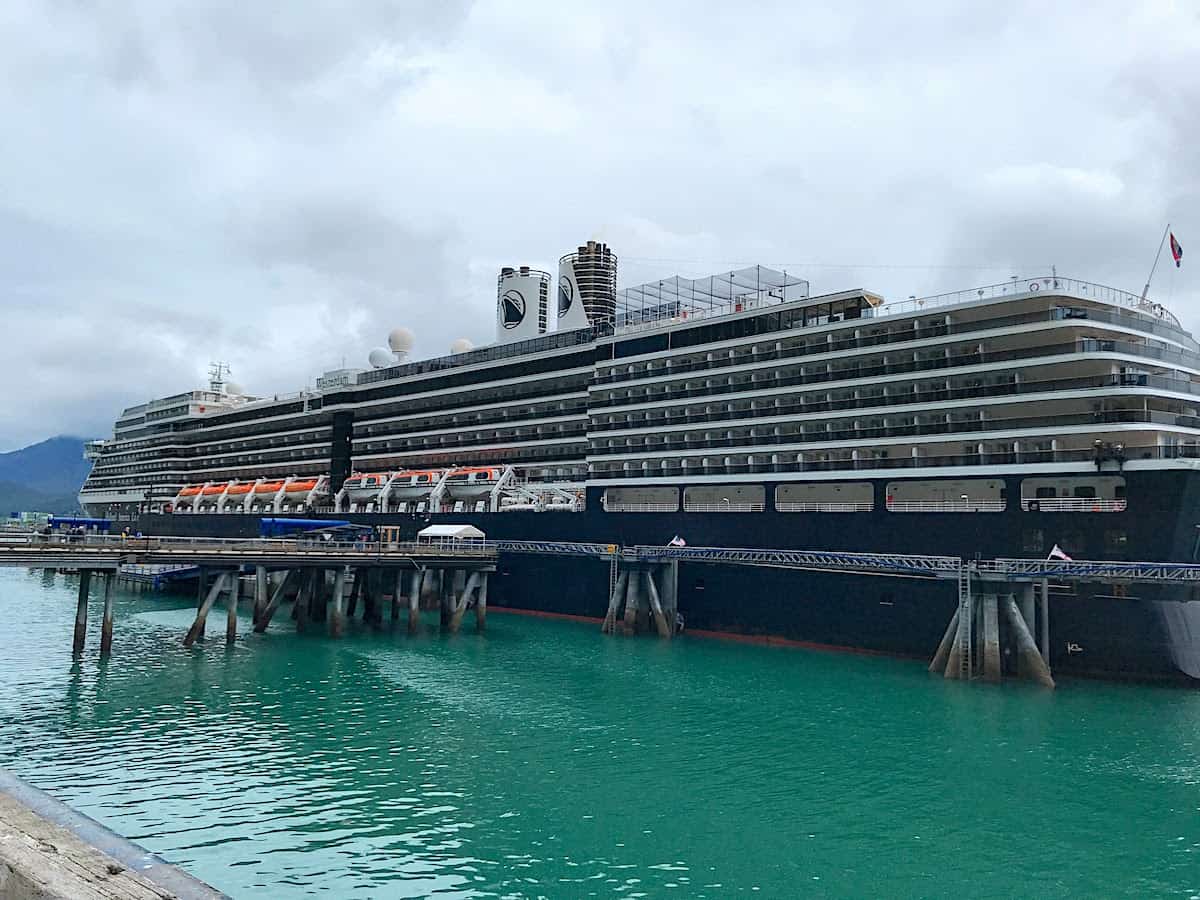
(1045, 492)
(1085, 490)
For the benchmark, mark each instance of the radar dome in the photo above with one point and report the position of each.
(462, 345)
(379, 358)
(233, 388)
(400, 340)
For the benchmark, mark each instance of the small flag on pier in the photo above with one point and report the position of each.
(677, 541)
(1057, 553)
(1176, 251)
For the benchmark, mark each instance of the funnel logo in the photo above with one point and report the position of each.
(512, 309)
(566, 293)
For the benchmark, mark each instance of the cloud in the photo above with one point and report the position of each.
(278, 188)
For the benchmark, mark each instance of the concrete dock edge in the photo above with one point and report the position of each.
(49, 850)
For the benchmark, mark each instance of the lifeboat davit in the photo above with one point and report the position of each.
(472, 482)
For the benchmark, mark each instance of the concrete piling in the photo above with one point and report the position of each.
(85, 584)
(336, 608)
(942, 656)
(660, 620)
(1031, 660)
(397, 591)
(629, 626)
(261, 592)
(462, 600)
(481, 605)
(614, 604)
(991, 639)
(1044, 604)
(106, 624)
(415, 581)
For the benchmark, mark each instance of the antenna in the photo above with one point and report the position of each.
(216, 375)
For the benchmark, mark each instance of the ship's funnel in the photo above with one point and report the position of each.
(522, 296)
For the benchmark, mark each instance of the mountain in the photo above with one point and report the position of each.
(44, 477)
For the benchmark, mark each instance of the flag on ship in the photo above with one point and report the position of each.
(1056, 552)
(677, 541)
(1176, 251)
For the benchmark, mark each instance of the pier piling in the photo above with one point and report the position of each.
(942, 656)
(277, 596)
(614, 604)
(261, 592)
(106, 624)
(991, 639)
(231, 608)
(481, 605)
(336, 616)
(397, 591)
(629, 626)
(415, 580)
(197, 629)
(85, 584)
(660, 620)
(1031, 659)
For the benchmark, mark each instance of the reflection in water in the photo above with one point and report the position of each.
(546, 760)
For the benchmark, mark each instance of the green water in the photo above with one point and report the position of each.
(547, 760)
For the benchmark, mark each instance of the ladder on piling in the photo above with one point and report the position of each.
(965, 637)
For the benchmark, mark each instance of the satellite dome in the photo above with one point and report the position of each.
(400, 340)
(461, 345)
(379, 358)
(233, 388)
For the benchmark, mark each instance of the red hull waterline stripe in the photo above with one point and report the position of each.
(760, 639)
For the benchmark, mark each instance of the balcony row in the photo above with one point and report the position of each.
(829, 343)
(860, 435)
(892, 396)
(755, 382)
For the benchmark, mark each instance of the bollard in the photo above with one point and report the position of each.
(231, 605)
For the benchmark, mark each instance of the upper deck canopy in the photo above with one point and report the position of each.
(670, 297)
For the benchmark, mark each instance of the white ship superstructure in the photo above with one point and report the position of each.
(739, 392)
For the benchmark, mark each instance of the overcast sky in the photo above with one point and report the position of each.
(277, 185)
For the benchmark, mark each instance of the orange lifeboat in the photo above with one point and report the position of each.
(213, 489)
(414, 484)
(471, 482)
(190, 491)
(297, 487)
(268, 487)
(240, 490)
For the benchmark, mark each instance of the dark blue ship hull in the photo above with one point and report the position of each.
(1139, 631)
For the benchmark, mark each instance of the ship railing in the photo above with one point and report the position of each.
(724, 507)
(642, 507)
(1073, 504)
(804, 506)
(1028, 287)
(946, 505)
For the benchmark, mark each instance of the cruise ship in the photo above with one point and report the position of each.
(739, 410)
